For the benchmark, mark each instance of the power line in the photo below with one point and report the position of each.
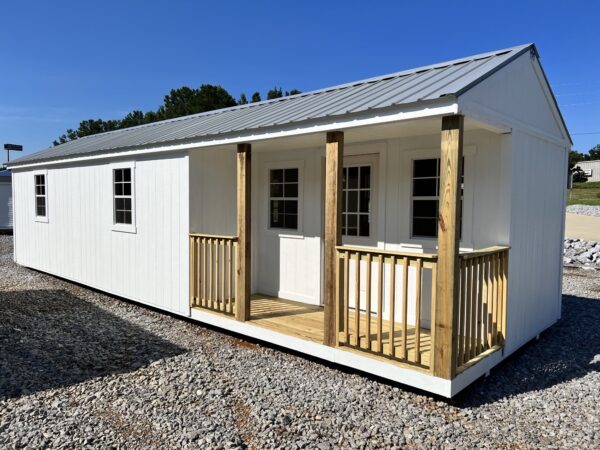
(589, 132)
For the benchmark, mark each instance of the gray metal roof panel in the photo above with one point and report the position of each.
(409, 86)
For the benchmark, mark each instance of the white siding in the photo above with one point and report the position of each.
(6, 210)
(78, 242)
(536, 237)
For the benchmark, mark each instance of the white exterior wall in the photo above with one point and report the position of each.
(78, 241)
(536, 237)
(6, 209)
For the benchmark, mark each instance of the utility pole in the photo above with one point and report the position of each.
(13, 147)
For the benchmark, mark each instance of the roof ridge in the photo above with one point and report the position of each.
(374, 79)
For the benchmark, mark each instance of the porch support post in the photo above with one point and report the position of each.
(334, 156)
(243, 267)
(447, 284)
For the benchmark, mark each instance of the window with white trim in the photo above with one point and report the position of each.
(40, 195)
(283, 198)
(426, 195)
(356, 201)
(123, 196)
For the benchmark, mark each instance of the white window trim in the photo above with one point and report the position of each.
(466, 240)
(285, 232)
(372, 160)
(41, 219)
(120, 227)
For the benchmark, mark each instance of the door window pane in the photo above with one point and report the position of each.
(283, 198)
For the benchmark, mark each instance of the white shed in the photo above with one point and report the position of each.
(390, 225)
(6, 210)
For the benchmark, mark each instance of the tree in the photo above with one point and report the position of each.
(274, 93)
(132, 119)
(293, 92)
(243, 100)
(575, 157)
(579, 175)
(256, 97)
(594, 152)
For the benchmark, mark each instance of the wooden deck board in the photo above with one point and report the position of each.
(306, 322)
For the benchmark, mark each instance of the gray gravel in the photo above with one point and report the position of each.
(578, 252)
(79, 369)
(586, 210)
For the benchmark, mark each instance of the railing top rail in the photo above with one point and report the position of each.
(484, 251)
(214, 236)
(378, 251)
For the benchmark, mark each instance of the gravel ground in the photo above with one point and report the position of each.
(577, 252)
(79, 369)
(586, 210)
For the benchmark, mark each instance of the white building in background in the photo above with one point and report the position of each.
(6, 209)
(391, 225)
(591, 169)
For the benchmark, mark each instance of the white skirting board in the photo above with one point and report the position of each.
(409, 377)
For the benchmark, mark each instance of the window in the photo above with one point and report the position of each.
(425, 197)
(356, 201)
(283, 198)
(40, 195)
(123, 198)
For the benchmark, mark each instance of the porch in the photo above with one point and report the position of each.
(402, 294)
(393, 322)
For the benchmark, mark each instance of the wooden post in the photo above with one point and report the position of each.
(242, 274)
(334, 156)
(447, 285)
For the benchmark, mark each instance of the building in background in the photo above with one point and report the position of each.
(591, 169)
(6, 206)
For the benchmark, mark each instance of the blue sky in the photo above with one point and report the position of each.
(65, 61)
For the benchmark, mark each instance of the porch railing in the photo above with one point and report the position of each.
(481, 323)
(212, 272)
(377, 314)
(387, 303)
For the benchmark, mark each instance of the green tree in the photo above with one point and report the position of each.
(575, 157)
(243, 100)
(255, 97)
(274, 93)
(293, 92)
(594, 152)
(132, 119)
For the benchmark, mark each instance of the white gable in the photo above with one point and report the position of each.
(518, 95)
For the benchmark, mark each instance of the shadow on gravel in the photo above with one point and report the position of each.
(570, 349)
(50, 338)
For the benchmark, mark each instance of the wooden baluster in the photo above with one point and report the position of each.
(468, 321)
(433, 318)
(504, 292)
(347, 296)
(392, 351)
(380, 304)
(368, 304)
(357, 301)
(192, 275)
(487, 303)
(223, 303)
(418, 312)
(479, 304)
(203, 269)
(494, 276)
(405, 308)
(462, 308)
(230, 274)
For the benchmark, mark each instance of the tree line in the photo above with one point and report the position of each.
(178, 102)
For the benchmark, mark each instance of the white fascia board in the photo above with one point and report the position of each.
(440, 108)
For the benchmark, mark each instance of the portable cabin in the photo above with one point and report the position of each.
(6, 210)
(395, 225)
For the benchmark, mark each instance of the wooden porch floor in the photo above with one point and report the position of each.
(306, 322)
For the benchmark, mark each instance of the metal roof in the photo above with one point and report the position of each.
(421, 84)
(5, 173)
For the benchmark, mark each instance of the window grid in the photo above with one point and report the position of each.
(356, 201)
(40, 195)
(425, 197)
(123, 197)
(283, 198)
